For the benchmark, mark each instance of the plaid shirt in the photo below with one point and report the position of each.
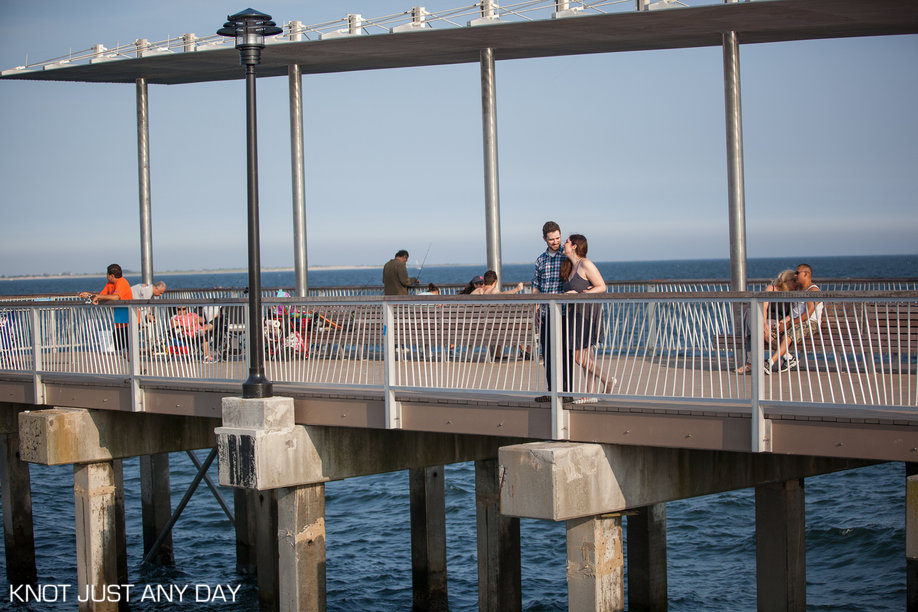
(547, 275)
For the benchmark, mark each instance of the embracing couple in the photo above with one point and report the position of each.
(564, 268)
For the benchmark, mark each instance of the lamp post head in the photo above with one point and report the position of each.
(249, 28)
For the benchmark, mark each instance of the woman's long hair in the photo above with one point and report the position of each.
(780, 283)
(580, 243)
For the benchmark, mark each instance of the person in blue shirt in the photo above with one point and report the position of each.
(547, 279)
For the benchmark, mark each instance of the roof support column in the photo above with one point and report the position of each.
(735, 185)
(297, 167)
(143, 178)
(489, 129)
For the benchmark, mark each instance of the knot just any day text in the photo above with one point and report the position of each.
(155, 593)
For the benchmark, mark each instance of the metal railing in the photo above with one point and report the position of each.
(680, 346)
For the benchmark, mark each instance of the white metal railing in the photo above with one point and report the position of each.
(669, 346)
(411, 19)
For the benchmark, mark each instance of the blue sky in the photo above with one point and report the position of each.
(628, 149)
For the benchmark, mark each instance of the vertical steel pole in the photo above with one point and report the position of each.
(257, 384)
(489, 129)
(143, 177)
(297, 164)
(737, 204)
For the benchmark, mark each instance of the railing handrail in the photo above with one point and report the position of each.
(377, 291)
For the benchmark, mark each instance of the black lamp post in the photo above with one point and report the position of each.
(249, 27)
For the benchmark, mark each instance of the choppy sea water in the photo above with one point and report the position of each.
(855, 520)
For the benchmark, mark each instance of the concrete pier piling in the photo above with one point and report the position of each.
(427, 495)
(499, 570)
(18, 536)
(780, 545)
(595, 563)
(647, 582)
(98, 491)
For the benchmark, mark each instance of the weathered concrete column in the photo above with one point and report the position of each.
(499, 572)
(243, 500)
(18, 537)
(647, 582)
(266, 554)
(156, 505)
(301, 548)
(595, 563)
(911, 536)
(780, 546)
(100, 535)
(428, 538)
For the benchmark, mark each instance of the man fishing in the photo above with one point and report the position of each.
(395, 275)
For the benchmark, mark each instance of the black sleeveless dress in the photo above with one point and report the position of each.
(583, 321)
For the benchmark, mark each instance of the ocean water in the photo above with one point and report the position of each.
(855, 520)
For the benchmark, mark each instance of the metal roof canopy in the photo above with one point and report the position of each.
(755, 22)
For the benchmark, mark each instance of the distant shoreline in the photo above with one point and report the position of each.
(181, 272)
(136, 273)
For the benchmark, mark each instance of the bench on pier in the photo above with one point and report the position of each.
(461, 331)
(853, 333)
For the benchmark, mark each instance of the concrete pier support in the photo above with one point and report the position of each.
(266, 553)
(780, 546)
(243, 501)
(911, 536)
(18, 536)
(156, 506)
(647, 584)
(499, 571)
(301, 548)
(595, 563)
(100, 535)
(428, 538)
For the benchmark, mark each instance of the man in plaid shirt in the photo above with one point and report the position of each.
(547, 279)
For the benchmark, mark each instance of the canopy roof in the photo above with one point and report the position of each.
(754, 22)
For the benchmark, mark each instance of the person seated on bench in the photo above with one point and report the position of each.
(191, 325)
(489, 286)
(771, 314)
(472, 285)
(804, 317)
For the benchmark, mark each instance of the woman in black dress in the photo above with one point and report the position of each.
(584, 321)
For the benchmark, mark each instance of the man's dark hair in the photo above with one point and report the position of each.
(807, 266)
(402, 253)
(114, 270)
(549, 227)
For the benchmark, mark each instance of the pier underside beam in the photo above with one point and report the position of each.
(499, 569)
(60, 436)
(260, 447)
(559, 481)
(427, 495)
(780, 546)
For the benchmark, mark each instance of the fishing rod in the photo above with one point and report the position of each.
(421, 269)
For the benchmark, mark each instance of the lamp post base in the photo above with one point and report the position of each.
(257, 386)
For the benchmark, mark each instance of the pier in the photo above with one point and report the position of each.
(431, 387)
(366, 384)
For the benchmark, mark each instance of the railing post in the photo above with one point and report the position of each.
(393, 410)
(134, 360)
(761, 437)
(37, 383)
(559, 416)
